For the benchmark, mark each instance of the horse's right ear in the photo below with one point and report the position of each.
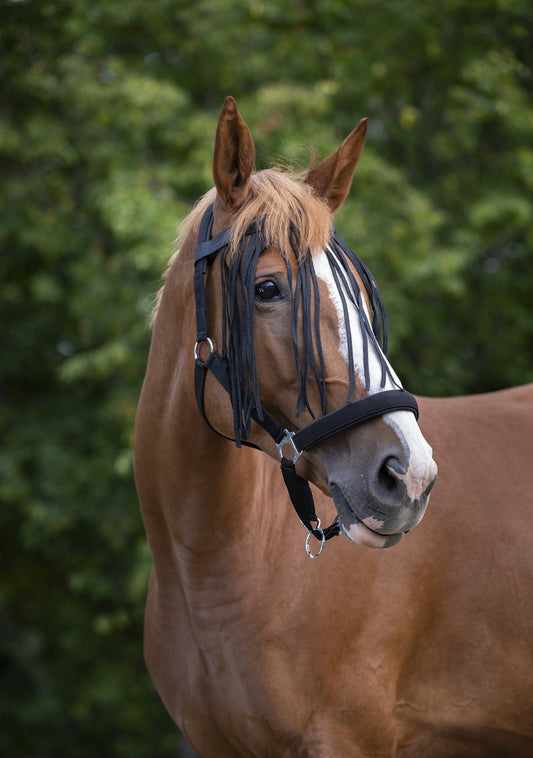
(332, 178)
(234, 156)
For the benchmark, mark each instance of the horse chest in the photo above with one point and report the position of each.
(273, 674)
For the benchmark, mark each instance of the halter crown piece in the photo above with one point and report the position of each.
(234, 368)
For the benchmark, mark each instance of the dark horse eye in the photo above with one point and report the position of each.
(267, 290)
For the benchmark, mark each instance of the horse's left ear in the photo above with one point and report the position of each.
(332, 178)
(234, 156)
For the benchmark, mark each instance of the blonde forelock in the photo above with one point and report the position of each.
(281, 203)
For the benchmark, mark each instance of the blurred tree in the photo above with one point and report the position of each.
(89, 213)
(107, 121)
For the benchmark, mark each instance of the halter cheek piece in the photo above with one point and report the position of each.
(290, 444)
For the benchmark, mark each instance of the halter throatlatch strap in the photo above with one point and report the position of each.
(288, 442)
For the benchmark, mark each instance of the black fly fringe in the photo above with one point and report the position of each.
(237, 275)
(238, 349)
(306, 299)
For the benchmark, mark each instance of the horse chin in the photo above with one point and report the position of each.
(353, 528)
(360, 534)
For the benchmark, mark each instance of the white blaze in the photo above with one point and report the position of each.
(422, 468)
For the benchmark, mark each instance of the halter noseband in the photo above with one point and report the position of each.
(292, 443)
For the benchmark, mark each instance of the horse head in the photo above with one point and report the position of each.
(296, 321)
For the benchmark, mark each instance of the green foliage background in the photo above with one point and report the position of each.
(107, 118)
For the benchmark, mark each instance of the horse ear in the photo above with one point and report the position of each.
(234, 156)
(332, 178)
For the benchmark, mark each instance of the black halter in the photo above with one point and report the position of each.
(246, 403)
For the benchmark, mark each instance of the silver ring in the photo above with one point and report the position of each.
(322, 541)
(199, 342)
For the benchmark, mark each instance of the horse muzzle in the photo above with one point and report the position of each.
(379, 501)
(380, 481)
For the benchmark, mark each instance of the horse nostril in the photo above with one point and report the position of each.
(395, 466)
(391, 474)
(395, 480)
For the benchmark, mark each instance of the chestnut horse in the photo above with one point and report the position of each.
(270, 333)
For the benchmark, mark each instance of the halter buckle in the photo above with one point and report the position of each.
(288, 440)
(322, 540)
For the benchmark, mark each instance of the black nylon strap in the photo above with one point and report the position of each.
(219, 369)
(300, 493)
(354, 413)
(302, 500)
(210, 246)
(200, 376)
(200, 268)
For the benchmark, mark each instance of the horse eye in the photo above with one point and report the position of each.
(267, 290)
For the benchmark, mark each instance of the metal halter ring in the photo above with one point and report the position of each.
(288, 440)
(199, 342)
(322, 541)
